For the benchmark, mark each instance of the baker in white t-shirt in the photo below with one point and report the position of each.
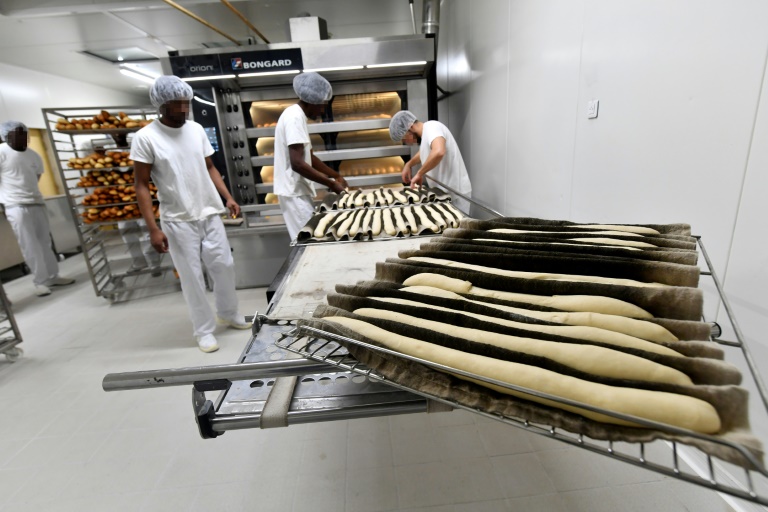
(20, 170)
(176, 154)
(438, 155)
(296, 166)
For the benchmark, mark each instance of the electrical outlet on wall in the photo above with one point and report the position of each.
(592, 107)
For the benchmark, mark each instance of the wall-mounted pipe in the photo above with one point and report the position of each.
(244, 19)
(413, 16)
(430, 19)
(200, 20)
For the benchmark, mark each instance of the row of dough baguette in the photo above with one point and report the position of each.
(382, 197)
(397, 221)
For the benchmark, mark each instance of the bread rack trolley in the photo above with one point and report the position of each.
(289, 374)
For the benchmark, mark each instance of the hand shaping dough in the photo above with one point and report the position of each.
(389, 226)
(591, 359)
(678, 410)
(424, 220)
(579, 303)
(323, 224)
(376, 227)
(400, 223)
(629, 326)
(537, 275)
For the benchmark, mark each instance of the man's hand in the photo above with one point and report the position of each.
(233, 207)
(406, 174)
(417, 180)
(336, 186)
(343, 182)
(159, 241)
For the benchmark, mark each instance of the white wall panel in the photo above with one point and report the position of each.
(544, 54)
(24, 92)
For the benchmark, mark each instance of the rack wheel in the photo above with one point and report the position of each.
(13, 354)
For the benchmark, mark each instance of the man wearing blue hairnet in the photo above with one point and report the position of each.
(438, 155)
(176, 154)
(296, 166)
(20, 170)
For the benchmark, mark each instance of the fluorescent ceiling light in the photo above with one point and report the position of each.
(212, 77)
(398, 64)
(201, 100)
(268, 73)
(341, 68)
(138, 68)
(137, 76)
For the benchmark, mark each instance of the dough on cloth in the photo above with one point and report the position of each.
(678, 410)
(322, 226)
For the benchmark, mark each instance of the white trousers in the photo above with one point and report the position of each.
(30, 225)
(297, 210)
(136, 237)
(206, 240)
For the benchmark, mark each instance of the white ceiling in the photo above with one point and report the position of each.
(48, 35)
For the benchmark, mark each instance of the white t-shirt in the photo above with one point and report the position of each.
(451, 169)
(177, 155)
(19, 172)
(291, 129)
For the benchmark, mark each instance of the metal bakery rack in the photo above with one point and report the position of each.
(332, 385)
(10, 336)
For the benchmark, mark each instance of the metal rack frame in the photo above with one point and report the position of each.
(323, 358)
(10, 336)
(103, 248)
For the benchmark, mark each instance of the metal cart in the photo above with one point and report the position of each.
(10, 337)
(332, 385)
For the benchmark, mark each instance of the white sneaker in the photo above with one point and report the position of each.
(62, 281)
(41, 290)
(235, 322)
(207, 343)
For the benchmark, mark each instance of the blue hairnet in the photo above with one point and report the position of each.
(400, 124)
(169, 88)
(312, 88)
(9, 126)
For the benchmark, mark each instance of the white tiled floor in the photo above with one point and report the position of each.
(66, 445)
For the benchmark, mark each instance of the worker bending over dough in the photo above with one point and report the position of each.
(20, 170)
(176, 153)
(438, 155)
(296, 166)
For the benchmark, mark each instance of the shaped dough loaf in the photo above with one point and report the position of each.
(578, 303)
(354, 229)
(376, 226)
(424, 220)
(400, 223)
(389, 226)
(322, 226)
(414, 226)
(677, 410)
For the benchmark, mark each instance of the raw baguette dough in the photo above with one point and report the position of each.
(389, 226)
(435, 214)
(388, 197)
(344, 227)
(400, 197)
(526, 231)
(537, 275)
(322, 226)
(455, 211)
(370, 199)
(341, 218)
(424, 220)
(376, 227)
(380, 201)
(366, 227)
(677, 410)
(642, 230)
(414, 226)
(578, 303)
(578, 332)
(600, 361)
(556, 243)
(613, 241)
(447, 215)
(629, 326)
(356, 224)
(400, 223)
(343, 200)
(413, 197)
(359, 199)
